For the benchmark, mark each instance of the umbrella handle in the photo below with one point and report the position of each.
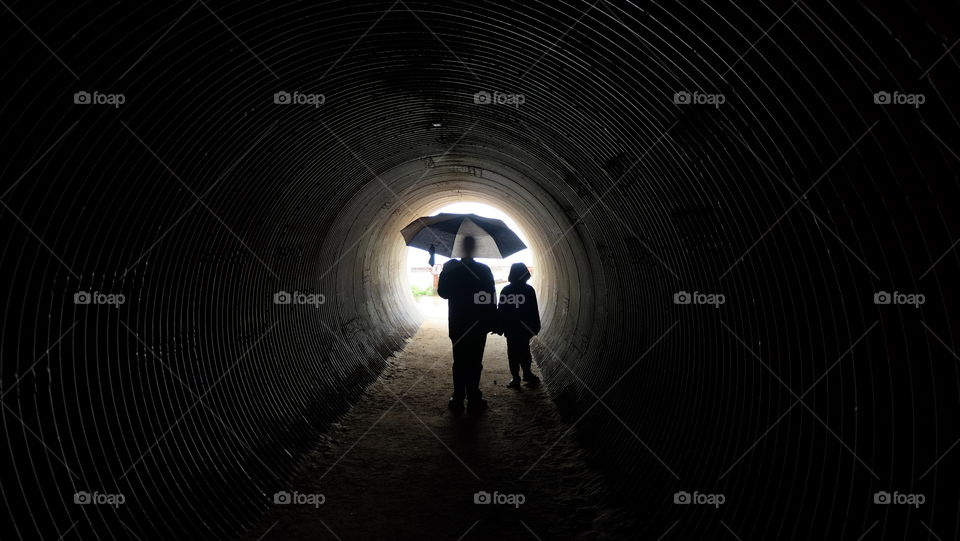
(432, 252)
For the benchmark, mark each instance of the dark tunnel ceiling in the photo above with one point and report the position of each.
(200, 197)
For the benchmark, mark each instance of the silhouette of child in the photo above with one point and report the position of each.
(518, 318)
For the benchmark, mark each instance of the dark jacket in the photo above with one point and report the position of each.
(471, 294)
(517, 313)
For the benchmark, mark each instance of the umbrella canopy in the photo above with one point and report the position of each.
(445, 233)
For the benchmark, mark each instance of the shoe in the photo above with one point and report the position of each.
(530, 378)
(514, 383)
(477, 405)
(455, 404)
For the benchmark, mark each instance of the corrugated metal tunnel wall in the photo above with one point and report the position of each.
(199, 198)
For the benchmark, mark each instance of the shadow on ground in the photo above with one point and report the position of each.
(411, 469)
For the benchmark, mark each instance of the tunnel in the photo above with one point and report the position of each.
(743, 215)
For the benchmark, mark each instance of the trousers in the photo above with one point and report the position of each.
(518, 355)
(468, 365)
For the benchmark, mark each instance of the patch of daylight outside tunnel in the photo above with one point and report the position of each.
(421, 277)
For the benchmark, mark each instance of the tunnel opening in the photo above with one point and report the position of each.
(569, 272)
(422, 278)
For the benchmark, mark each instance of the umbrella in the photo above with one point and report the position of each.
(443, 234)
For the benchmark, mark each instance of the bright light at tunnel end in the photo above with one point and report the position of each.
(420, 278)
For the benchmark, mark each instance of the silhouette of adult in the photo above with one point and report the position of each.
(469, 289)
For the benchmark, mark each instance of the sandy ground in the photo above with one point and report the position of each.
(411, 469)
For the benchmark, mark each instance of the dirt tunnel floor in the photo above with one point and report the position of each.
(410, 469)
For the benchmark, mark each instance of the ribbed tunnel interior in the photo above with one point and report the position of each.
(797, 198)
